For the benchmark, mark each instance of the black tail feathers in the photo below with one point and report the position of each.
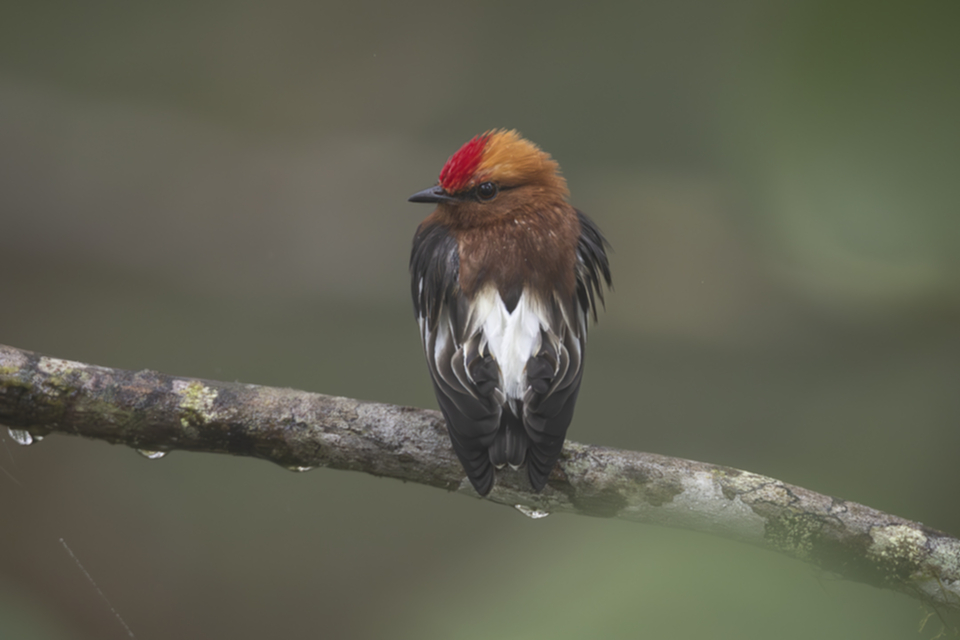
(512, 446)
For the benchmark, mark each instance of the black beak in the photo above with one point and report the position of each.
(433, 194)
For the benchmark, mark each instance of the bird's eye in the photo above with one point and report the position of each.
(487, 191)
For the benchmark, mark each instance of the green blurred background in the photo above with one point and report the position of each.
(217, 189)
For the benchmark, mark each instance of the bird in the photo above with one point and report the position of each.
(505, 274)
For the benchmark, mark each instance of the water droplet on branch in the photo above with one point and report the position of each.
(530, 512)
(21, 436)
(151, 455)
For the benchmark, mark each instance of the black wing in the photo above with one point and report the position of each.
(554, 374)
(466, 381)
(592, 265)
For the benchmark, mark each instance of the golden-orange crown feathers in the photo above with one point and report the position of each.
(503, 156)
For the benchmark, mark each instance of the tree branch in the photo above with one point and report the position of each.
(151, 411)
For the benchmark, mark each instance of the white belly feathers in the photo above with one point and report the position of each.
(512, 338)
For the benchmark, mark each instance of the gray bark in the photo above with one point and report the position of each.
(151, 411)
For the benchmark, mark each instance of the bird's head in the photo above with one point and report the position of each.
(493, 175)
